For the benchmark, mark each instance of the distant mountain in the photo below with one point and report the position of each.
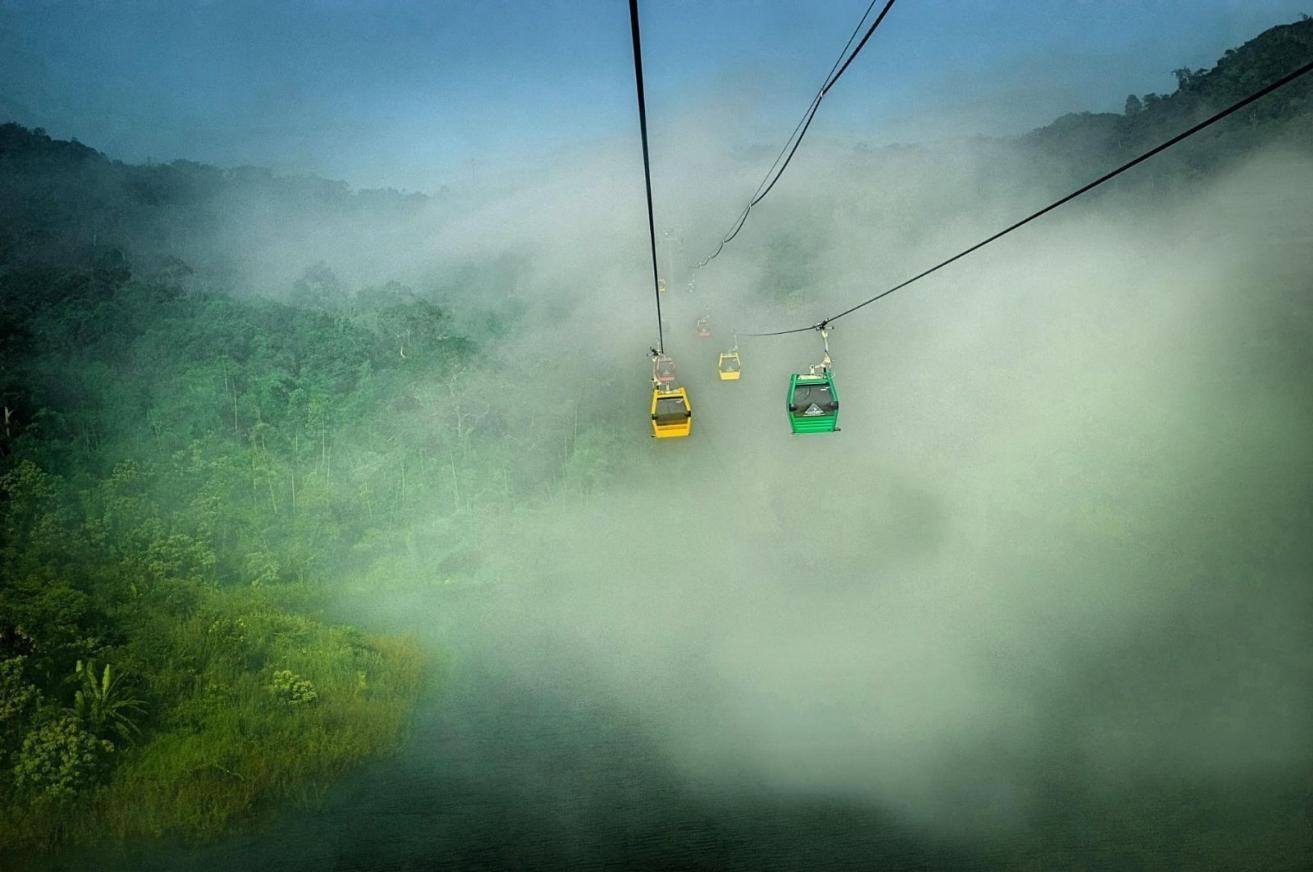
(66, 203)
(1083, 142)
(62, 202)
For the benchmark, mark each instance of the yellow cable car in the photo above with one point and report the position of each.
(729, 366)
(672, 416)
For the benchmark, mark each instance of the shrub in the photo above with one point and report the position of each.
(292, 689)
(101, 705)
(60, 759)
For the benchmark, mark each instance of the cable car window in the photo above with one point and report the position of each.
(663, 369)
(670, 409)
(813, 399)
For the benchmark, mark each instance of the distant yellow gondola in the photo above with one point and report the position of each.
(729, 366)
(672, 415)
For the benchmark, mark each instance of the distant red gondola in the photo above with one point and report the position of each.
(663, 370)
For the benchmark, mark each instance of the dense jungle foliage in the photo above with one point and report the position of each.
(183, 475)
(173, 493)
(186, 471)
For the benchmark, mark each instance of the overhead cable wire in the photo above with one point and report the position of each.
(647, 167)
(825, 90)
(861, 45)
(795, 139)
(1213, 119)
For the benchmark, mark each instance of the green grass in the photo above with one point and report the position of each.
(236, 743)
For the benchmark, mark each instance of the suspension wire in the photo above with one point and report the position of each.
(821, 326)
(861, 45)
(743, 216)
(1213, 119)
(799, 131)
(647, 168)
(825, 90)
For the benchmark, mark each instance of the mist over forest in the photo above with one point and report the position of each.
(323, 509)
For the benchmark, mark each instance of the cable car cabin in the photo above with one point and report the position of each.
(729, 366)
(703, 327)
(813, 403)
(661, 286)
(663, 370)
(672, 416)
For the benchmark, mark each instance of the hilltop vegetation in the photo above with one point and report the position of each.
(1077, 146)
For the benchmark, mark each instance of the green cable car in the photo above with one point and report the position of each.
(813, 403)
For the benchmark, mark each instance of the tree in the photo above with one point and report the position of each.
(318, 287)
(33, 524)
(18, 700)
(1187, 79)
(1133, 105)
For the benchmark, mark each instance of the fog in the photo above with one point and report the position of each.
(1043, 601)
(1056, 562)
(1044, 598)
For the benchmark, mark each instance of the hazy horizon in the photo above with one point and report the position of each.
(423, 97)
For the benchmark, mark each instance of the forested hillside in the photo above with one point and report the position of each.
(184, 475)
(188, 463)
(1075, 147)
(66, 203)
(174, 492)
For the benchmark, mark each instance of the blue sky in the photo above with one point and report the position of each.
(415, 95)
